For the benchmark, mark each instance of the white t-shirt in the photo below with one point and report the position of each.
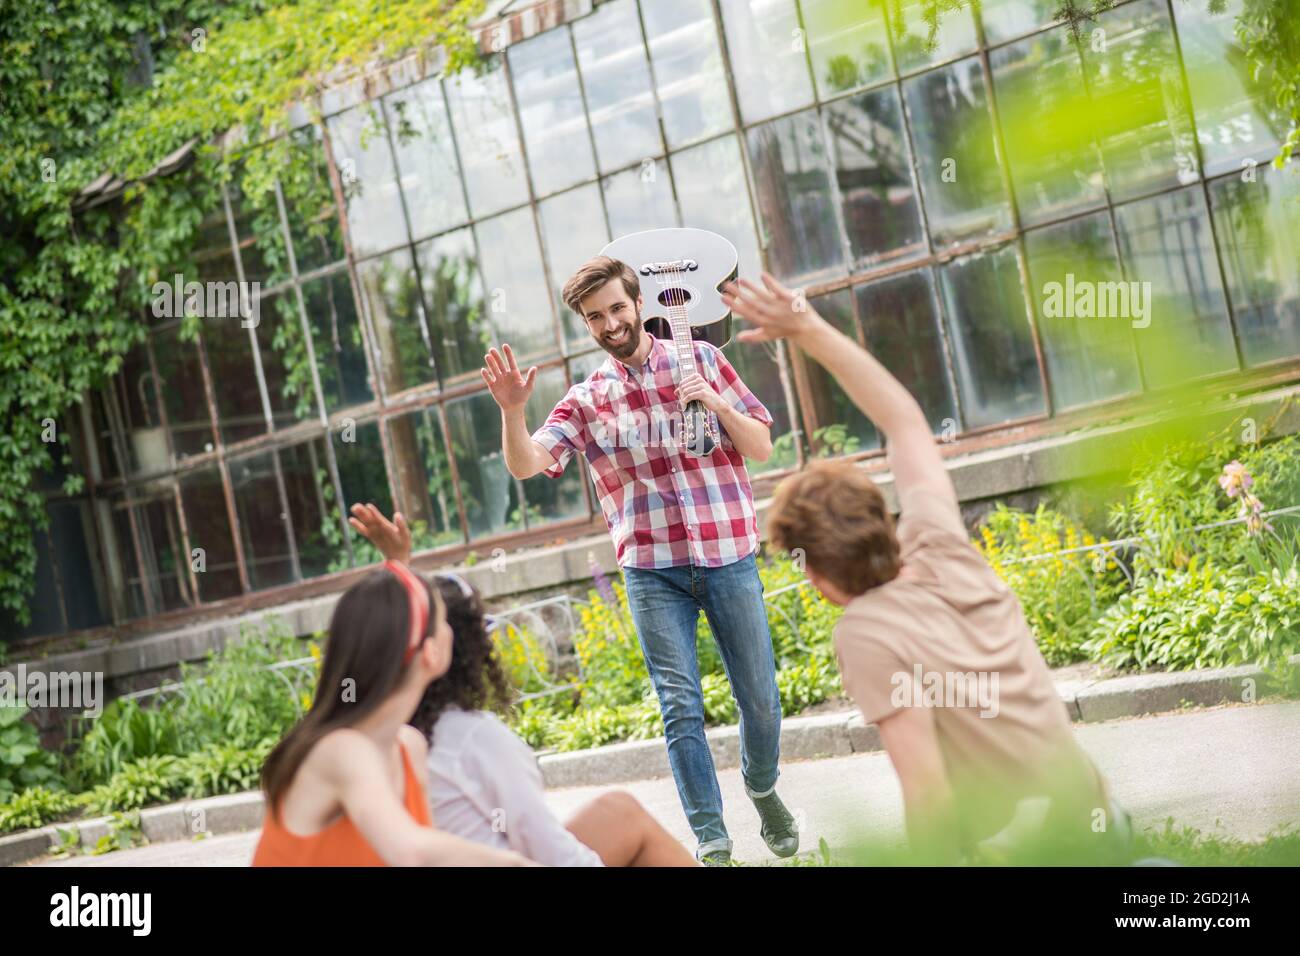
(484, 785)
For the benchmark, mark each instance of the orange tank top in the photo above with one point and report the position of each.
(340, 843)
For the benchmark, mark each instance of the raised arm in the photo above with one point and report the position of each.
(511, 389)
(776, 312)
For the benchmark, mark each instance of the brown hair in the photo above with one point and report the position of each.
(592, 276)
(837, 516)
(368, 636)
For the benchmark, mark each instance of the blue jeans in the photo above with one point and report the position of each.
(666, 605)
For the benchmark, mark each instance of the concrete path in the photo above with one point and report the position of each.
(1232, 770)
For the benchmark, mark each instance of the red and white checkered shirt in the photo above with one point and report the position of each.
(664, 507)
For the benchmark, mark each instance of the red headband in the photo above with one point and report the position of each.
(419, 602)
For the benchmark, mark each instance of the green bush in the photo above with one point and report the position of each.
(1204, 616)
(23, 762)
(123, 733)
(223, 768)
(36, 807)
(140, 783)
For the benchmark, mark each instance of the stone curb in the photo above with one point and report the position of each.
(835, 734)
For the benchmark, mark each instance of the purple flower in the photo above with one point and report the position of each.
(602, 583)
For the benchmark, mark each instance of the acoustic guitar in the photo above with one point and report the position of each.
(688, 267)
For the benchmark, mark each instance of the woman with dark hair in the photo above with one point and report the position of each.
(342, 787)
(484, 783)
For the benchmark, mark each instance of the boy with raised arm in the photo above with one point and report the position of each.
(933, 646)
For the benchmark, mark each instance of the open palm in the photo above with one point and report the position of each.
(510, 389)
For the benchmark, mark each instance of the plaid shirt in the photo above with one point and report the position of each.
(664, 507)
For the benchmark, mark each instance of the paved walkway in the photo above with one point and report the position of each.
(1230, 770)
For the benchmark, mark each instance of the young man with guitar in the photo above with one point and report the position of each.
(682, 518)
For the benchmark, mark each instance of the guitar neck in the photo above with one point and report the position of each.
(680, 324)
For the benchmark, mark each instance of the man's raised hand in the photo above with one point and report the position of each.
(504, 381)
(392, 538)
(775, 311)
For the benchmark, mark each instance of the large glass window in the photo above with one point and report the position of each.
(263, 521)
(900, 320)
(552, 499)
(1258, 228)
(393, 295)
(453, 292)
(1076, 283)
(1168, 250)
(363, 473)
(188, 420)
(874, 173)
(1138, 105)
(551, 112)
(369, 179)
(688, 72)
(488, 140)
(490, 495)
(1043, 107)
(423, 472)
(338, 340)
(313, 215)
(952, 134)
(992, 343)
(639, 198)
(317, 533)
(426, 158)
(769, 59)
(234, 379)
(835, 425)
(795, 198)
(573, 230)
(1234, 120)
(616, 78)
(848, 43)
(518, 302)
(208, 523)
(711, 191)
(926, 32)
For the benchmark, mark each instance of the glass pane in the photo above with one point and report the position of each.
(582, 366)
(390, 286)
(639, 199)
(688, 71)
(252, 221)
(122, 546)
(453, 293)
(262, 521)
(874, 172)
(1257, 224)
(1169, 251)
(1005, 19)
(616, 79)
(284, 360)
(953, 137)
(489, 494)
(182, 392)
(314, 218)
(835, 425)
(926, 34)
(769, 61)
(234, 379)
(573, 230)
(166, 566)
(488, 140)
(515, 285)
(1139, 109)
(901, 323)
(711, 191)
(1055, 166)
(1075, 278)
(316, 529)
(136, 394)
(561, 498)
(1234, 119)
(992, 343)
(70, 534)
(757, 367)
(426, 158)
(550, 111)
(338, 340)
(363, 474)
(848, 41)
(365, 162)
(423, 473)
(795, 199)
(208, 523)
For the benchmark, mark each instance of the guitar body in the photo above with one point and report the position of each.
(682, 272)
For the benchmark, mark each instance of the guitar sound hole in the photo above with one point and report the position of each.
(675, 297)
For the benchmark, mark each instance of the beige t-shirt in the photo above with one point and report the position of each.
(951, 635)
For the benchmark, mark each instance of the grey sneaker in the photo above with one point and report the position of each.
(778, 829)
(716, 858)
